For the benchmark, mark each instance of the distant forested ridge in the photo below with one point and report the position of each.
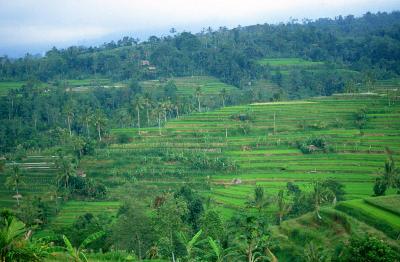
(368, 43)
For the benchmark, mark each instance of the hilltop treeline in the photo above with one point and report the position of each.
(369, 44)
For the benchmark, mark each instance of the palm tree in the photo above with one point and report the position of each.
(321, 195)
(15, 180)
(99, 120)
(66, 170)
(167, 107)
(283, 206)
(78, 254)
(198, 95)
(138, 104)
(190, 245)
(86, 118)
(259, 201)
(249, 244)
(69, 112)
(148, 104)
(390, 171)
(223, 93)
(12, 95)
(123, 116)
(159, 110)
(176, 107)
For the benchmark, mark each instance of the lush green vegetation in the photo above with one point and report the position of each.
(189, 147)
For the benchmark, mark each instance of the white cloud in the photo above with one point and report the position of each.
(40, 34)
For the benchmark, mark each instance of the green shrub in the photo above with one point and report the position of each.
(369, 249)
(380, 187)
(244, 117)
(122, 138)
(313, 144)
(360, 118)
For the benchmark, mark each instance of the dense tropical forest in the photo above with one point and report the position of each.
(271, 142)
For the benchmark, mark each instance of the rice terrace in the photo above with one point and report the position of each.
(267, 142)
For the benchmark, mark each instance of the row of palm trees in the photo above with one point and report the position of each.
(158, 111)
(163, 109)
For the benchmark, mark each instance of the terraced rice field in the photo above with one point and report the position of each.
(84, 85)
(73, 209)
(264, 149)
(39, 178)
(268, 155)
(188, 85)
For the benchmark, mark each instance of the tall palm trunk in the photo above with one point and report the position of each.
(16, 190)
(159, 124)
(249, 255)
(69, 125)
(171, 243)
(271, 255)
(198, 102)
(138, 118)
(87, 128)
(148, 118)
(99, 131)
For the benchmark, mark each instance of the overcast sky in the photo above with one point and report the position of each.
(37, 25)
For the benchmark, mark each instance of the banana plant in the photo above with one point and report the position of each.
(218, 254)
(16, 243)
(12, 231)
(78, 254)
(190, 245)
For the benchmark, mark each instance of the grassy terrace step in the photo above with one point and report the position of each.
(388, 203)
(73, 209)
(381, 219)
(335, 227)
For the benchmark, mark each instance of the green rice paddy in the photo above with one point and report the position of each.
(188, 85)
(5, 86)
(288, 62)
